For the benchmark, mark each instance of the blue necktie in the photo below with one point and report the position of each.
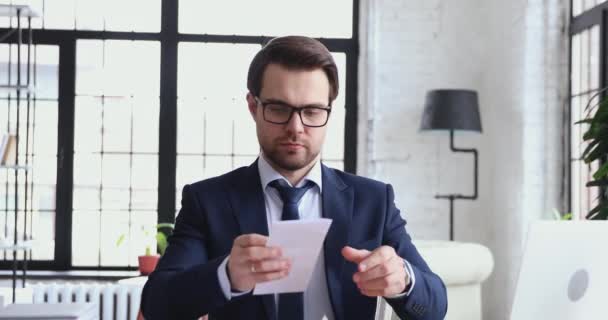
(291, 305)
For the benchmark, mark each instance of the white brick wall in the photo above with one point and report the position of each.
(514, 53)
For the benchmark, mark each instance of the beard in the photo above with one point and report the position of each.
(290, 160)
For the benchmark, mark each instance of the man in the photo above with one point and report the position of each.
(218, 253)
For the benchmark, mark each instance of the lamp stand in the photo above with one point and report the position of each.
(453, 197)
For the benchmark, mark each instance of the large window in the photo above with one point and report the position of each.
(34, 148)
(587, 79)
(580, 6)
(146, 96)
(215, 130)
(115, 150)
(313, 18)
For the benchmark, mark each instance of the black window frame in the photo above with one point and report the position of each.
(169, 39)
(595, 16)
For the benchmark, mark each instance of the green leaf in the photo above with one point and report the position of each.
(600, 215)
(120, 240)
(602, 172)
(597, 183)
(597, 153)
(590, 147)
(589, 134)
(602, 111)
(161, 241)
(602, 103)
(596, 130)
(597, 111)
(595, 210)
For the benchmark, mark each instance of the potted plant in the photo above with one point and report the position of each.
(147, 261)
(597, 150)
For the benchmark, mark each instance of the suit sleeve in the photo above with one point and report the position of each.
(428, 299)
(185, 284)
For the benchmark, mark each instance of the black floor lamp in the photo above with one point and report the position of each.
(449, 109)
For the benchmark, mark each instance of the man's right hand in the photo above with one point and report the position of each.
(251, 262)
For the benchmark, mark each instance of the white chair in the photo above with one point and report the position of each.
(463, 268)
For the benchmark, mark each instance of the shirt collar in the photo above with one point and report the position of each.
(268, 174)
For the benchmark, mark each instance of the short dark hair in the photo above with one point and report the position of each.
(293, 52)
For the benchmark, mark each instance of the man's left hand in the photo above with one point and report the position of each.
(380, 272)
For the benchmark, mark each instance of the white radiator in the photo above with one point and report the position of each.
(115, 301)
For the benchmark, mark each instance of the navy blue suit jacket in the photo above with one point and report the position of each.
(217, 210)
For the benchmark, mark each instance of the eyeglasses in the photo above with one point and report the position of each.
(281, 113)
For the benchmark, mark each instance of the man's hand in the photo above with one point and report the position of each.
(380, 272)
(251, 262)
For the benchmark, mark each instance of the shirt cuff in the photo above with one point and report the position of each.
(222, 275)
(412, 276)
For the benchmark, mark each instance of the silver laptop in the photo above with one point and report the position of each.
(564, 272)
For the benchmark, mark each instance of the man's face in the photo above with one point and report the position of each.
(291, 146)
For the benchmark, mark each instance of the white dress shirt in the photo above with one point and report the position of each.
(317, 304)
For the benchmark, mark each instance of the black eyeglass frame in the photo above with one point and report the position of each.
(293, 110)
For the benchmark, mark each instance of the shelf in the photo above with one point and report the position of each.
(14, 88)
(15, 244)
(8, 245)
(26, 168)
(7, 10)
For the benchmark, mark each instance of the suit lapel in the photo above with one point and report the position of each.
(338, 201)
(247, 201)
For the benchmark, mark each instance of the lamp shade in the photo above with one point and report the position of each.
(451, 109)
